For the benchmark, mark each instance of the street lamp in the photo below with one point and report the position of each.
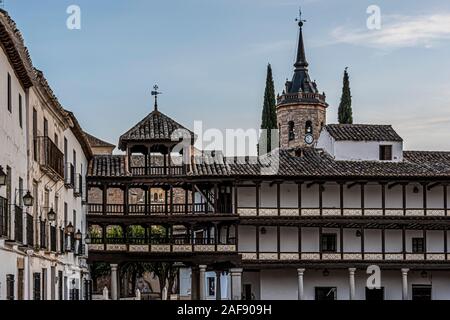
(2, 177)
(78, 235)
(87, 240)
(28, 200)
(51, 215)
(70, 229)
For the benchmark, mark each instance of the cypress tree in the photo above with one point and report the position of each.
(345, 107)
(269, 113)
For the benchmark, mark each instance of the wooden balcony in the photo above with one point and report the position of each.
(3, 217)
(342, 212)
(18, 224)
(175, 245)
(147, 210)
(50, 158)
(158, 171)
(372, 257)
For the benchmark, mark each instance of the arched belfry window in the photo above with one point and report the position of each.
(291, 126)
(308, 127)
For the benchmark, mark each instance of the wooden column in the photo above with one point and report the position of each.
(299, 234)
(216, 198)
(363, 198)
(383, 241)
(165, 164)
(279, 198)
(363, 241)
(299, 197)
(404, 242)
(424, 232)
(425, 198)
(279, 242)
(341, 241)
(341, 197)
(321, 198)
(186, 200)
(193, 199)
(149, 164)
(404, 198)
(445, 199)
(446, 243)
(125, 200)
(105, 198)
(257, 242)
(166, 202)
(236, 198)
(320, 241)
(146, 200)
(383, 198)
(258, 192)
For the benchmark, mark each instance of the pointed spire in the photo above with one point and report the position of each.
(301, 62)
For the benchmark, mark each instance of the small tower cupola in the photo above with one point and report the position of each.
(301, 109)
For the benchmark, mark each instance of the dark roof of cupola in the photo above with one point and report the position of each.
(363, 132)
(301, 89)
(153, 128)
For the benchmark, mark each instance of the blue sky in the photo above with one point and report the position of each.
(209, 59)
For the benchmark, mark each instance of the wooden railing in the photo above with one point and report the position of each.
(3, 217)
(150, 209)
(50, 157)
(18, 224)
(345, 212)
(176, 240)
(346, 256)
(158, 171)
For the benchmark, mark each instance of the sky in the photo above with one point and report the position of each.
(209, 59)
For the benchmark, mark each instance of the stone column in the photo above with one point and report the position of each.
(301, 291)
(405, 283)
(236, 284)
(352, 282)
(114, 287)
(202, 282)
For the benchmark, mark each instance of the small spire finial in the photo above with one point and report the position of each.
(156, 93)
(299, 19)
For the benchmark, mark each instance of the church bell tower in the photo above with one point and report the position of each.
(301, 109)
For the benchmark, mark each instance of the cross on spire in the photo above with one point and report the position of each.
(301, 62)
(156, 93)
(299, 19)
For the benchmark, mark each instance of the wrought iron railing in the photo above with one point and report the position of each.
(78, 190)
(18, 224)
(69, 176)
(50, 157)
(3, 217)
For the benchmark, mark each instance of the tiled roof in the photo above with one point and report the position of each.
(96, 142)
(363, 132)
(156, 126)
(303, 163)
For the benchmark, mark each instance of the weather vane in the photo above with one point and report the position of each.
(299, 19)
(156, 93)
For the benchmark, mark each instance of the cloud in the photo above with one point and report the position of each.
(398, 31)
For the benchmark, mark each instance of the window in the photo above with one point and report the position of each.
(385, 153)
(20, 192)
(421, 292)
(66, 214)
(75, 219)
(36, 286)
(35, 134)
(326, 293)
(9, 94)
(211, 286)
(9, 287)
(45, 127)
(20, 111)
(291, 125)
(418, 245)
(57, 140)
(375, 294)
(328, 243)
(75, 160)
(308, 127)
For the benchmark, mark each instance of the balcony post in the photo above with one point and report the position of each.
(105, 198)
(171, 200)
(202, 279)
(216, 198)
(146, 202)
(114, 286)
(352, 282)
(425, 204)
(125, 200)
(301, 290)
(405, 283)
(445, 199)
